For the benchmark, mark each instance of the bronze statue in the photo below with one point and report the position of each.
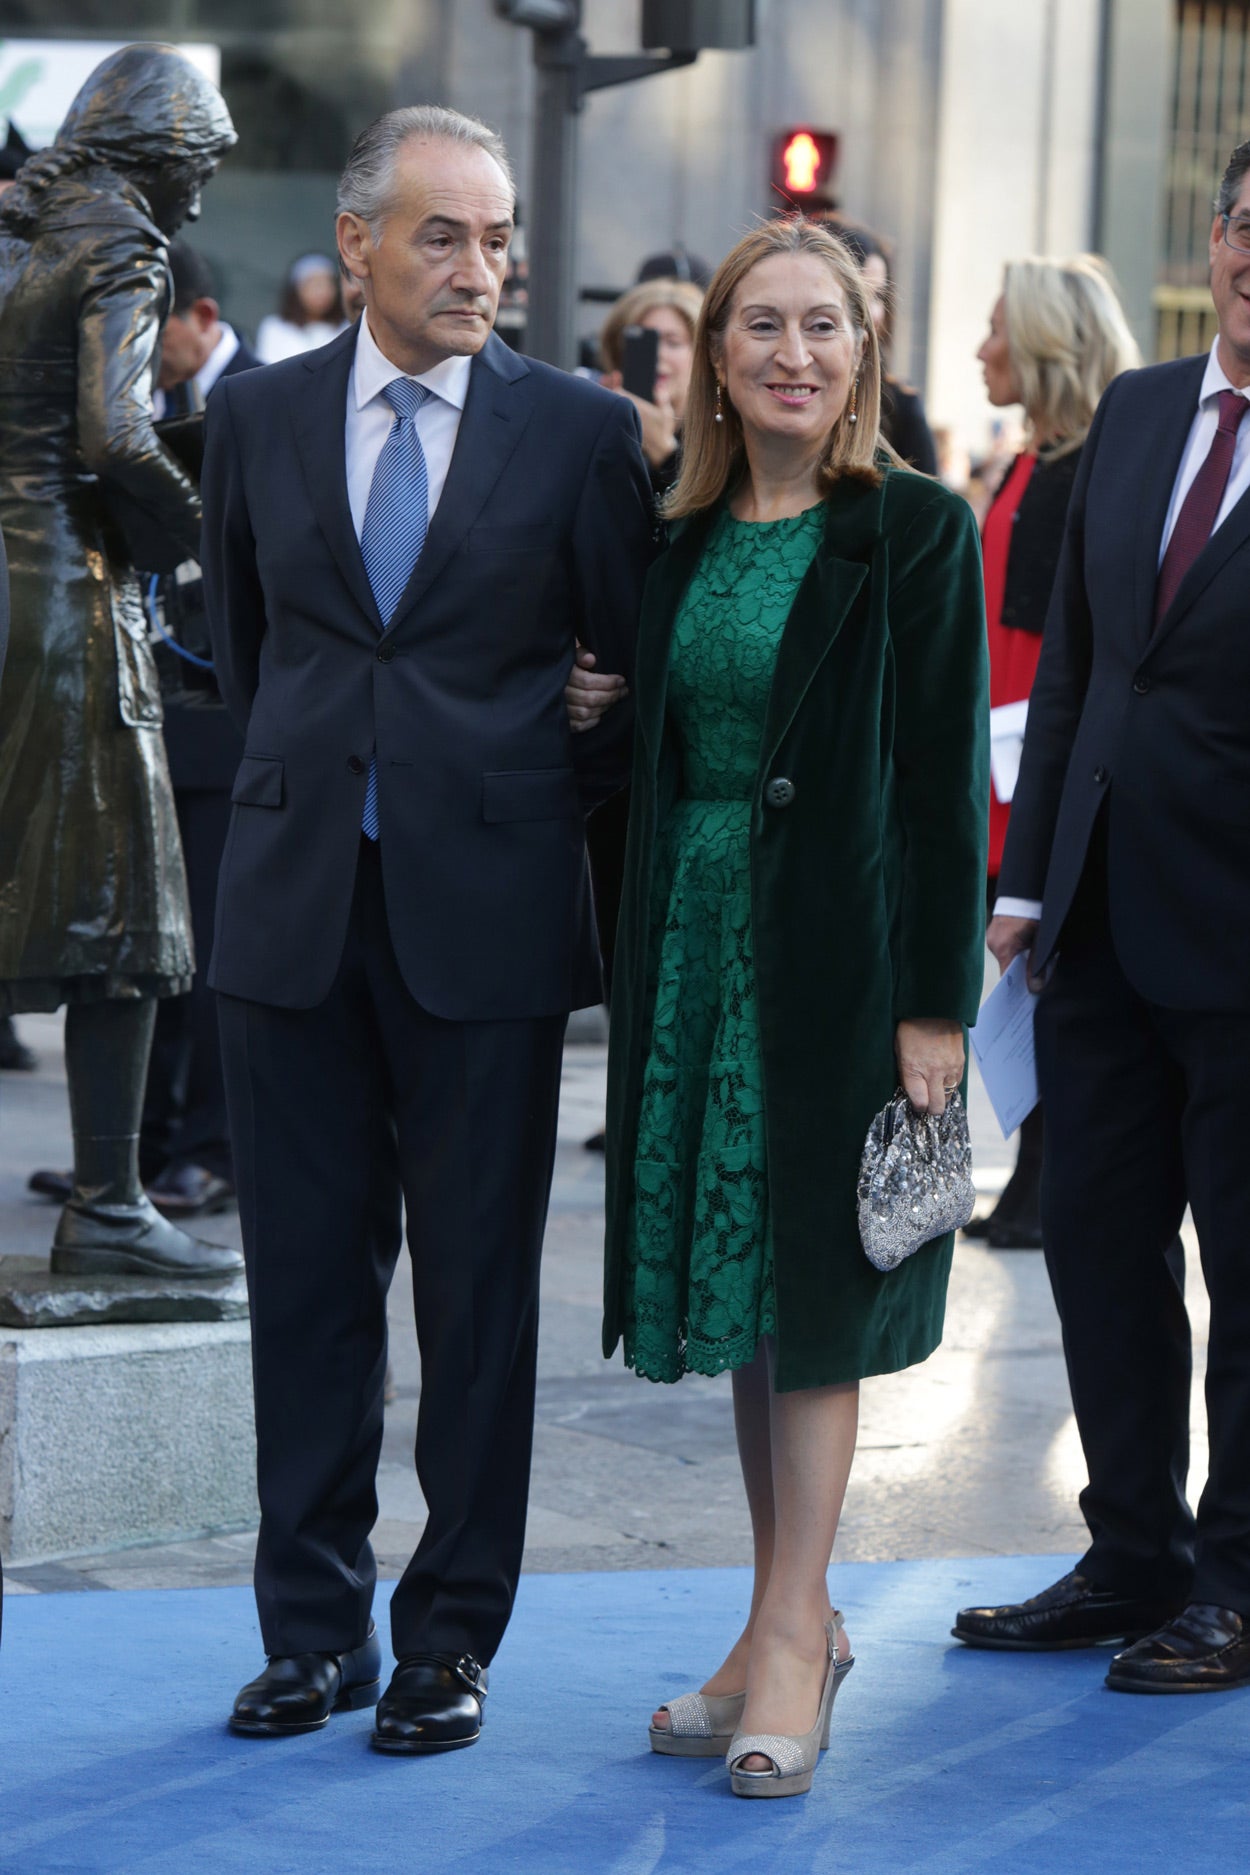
(93, 903)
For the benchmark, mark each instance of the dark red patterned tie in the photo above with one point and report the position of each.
(1201, 505)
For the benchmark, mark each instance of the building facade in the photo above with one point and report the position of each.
(969, 132)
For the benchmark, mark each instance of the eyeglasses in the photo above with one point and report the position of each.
(1237, 232)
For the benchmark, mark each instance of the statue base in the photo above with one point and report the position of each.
(123, 1432)
(30, 1297)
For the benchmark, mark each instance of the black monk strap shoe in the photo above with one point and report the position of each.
(1203, 1650)
(433, 1703)
(298, 1692)
(1072, 1612)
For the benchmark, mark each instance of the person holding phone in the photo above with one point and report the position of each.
(670, 310)
(652, 327)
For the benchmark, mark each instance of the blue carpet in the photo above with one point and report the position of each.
(113, 1756)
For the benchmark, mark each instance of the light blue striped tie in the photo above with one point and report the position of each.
(397, 515)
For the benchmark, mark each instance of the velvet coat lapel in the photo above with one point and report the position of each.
(496, 411)
(820, 607)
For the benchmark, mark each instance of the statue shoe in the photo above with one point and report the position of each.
(132, 1240)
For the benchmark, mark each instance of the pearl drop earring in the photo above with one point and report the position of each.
(719, 413)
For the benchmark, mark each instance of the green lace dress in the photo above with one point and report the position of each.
(698, 1268)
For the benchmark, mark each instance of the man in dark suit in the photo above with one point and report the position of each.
(404, 918)
(184, 1145)
(1127, 875)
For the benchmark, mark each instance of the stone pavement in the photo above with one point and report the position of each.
(973, 1453)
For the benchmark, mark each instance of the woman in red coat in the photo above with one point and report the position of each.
(1057, 337)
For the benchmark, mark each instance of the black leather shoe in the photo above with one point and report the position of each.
(1203, 1650)
(1072, 1612)
(1017, 1233)
(978, 1228)
(433, 1703)
(190, 1191)
(45, 1183)
(298, 1692)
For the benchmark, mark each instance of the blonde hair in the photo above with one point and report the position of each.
(632, 308)
(1068, 337)
(713, 454)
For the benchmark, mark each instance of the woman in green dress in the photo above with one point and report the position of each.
(801, 931)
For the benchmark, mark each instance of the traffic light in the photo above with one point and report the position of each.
(803, 164)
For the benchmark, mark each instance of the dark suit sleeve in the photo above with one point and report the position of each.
(233, 596)
(1056, 700)
(941, 761)
(613, 545)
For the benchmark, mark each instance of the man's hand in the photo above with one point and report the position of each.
(588, 695)
(659, 425)
(1007, 937)
(930, 1061)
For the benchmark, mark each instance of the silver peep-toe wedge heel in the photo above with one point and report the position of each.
(700, 1725)
(792, 1760)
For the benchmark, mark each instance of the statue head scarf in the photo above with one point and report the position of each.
(143, 111)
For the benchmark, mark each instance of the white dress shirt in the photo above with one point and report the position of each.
(1197, 448)
(205, 378)
(369, 419)
(1201, 436)
(217, 360)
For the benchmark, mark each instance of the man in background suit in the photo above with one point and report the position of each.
(1127, 870)
(404, 918)
(184, 1145)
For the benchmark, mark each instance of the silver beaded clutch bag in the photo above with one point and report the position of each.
(915, 1180)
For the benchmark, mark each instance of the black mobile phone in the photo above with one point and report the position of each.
(640, 351)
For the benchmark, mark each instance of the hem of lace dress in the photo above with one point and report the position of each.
(668, 1372)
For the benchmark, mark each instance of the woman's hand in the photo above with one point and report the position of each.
(659, 425)
(930, 1061)
(588, 695)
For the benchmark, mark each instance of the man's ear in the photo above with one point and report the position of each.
(206, 313)
(355, 245)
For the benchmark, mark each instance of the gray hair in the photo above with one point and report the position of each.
(1231, 180)
(367, 185)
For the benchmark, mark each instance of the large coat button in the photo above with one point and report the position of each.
(355, 765)
(779, 792)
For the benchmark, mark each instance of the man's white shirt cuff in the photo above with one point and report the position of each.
(1017, 908)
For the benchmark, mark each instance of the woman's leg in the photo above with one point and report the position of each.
(813, 1443)
(753, 1393)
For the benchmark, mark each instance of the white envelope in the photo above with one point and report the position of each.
(1002, 1044)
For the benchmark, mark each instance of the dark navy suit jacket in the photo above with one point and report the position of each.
(542, 536)
(1152, 719)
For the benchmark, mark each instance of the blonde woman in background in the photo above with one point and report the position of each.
(1057, 337)
(670, 308)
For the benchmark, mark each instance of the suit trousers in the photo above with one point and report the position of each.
(344, 1117)
(1145, 1112)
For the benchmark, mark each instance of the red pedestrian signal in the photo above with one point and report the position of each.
(803, 164)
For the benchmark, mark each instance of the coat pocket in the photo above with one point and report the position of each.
(530, 794)
(258, 782)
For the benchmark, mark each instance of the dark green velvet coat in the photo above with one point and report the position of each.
(867, 895)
